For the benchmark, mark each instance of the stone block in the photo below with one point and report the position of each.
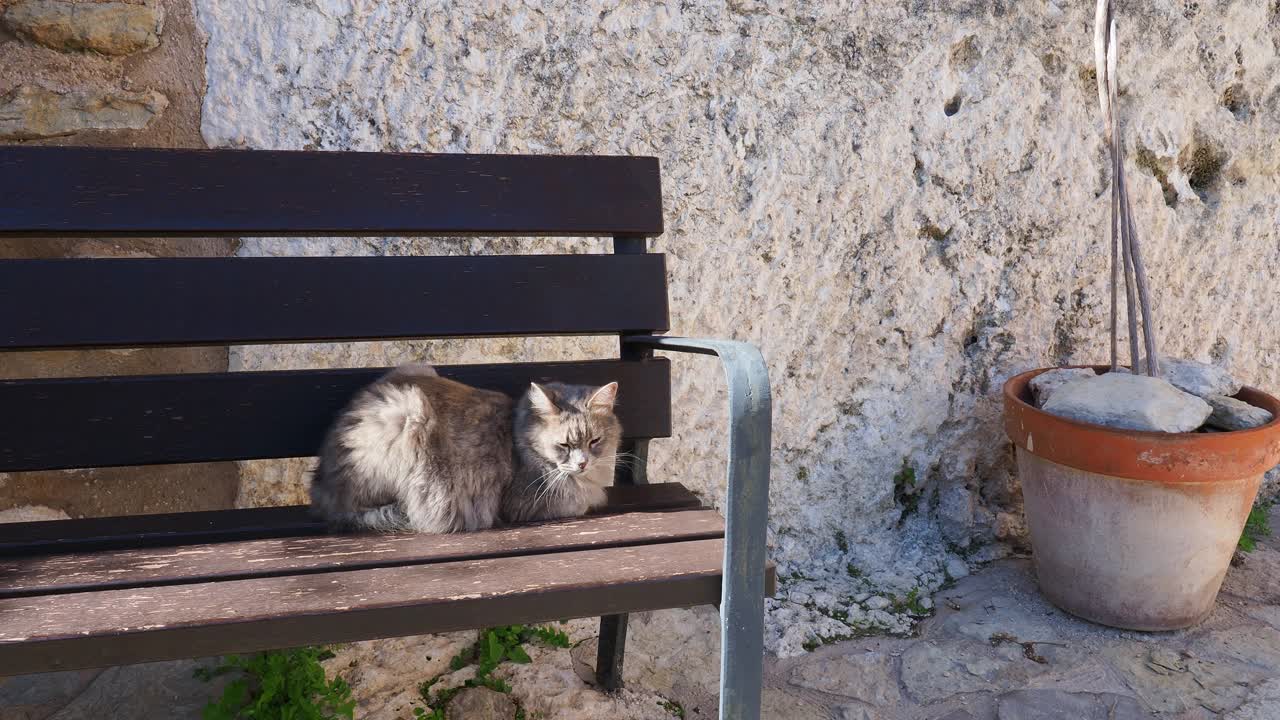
(110, 28)
(31, 112)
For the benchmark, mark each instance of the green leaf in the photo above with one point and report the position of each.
(1256, 527)
(518, 655)
(495, 650)
(493, 683)
(552, 637)
(281, 685)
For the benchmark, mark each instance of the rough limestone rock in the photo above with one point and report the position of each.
(1258, 646)
(858, 712)
(110, 28)
(385, 674)
(41, 696)
(778, 704)
(1043, 385)
(31, 513)
(935, 670)
(379, 671)
(869, 677)
(1059, 705)
(1131, 402)
(1168, 683)
(30, 112)
(1199, 379)
(479, 703)
(1263, 704)
(902, 203)
(130, 692)
(1270, 485)
(1232, 414)
(878, 603)
(1258, 577)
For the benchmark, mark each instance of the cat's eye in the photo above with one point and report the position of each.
(563, 446)
(595, 441)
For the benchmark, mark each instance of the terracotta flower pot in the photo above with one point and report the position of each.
(1135, 529)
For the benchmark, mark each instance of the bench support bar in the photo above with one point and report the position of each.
(609, 654)
(746, 516)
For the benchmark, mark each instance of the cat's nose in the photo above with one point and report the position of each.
(582, 465)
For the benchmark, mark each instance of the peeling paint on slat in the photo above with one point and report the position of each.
(282, 556)
(108, 614)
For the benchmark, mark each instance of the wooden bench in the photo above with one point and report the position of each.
(107, 591)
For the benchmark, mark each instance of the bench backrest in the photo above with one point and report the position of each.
(116, 303)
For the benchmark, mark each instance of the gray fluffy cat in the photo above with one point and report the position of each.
(414, 451)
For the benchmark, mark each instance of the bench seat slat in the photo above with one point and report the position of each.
(113, 627)
(145, 192)
(227, 301)
(142, 531)
(54, 424)
(113, 569)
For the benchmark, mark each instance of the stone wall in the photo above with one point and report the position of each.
(106, 73)
(903, 203)
(100, 73)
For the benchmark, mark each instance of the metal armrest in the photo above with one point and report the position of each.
(746, 517)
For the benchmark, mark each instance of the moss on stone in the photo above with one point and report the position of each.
(1202, 164)
(1147, 160)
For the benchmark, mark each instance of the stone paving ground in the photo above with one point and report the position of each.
(994, 650)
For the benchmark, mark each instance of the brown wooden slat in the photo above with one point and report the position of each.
(113, 627)
(51, 304)
(114, 569)
(141, 531)
(59, 191)
(150, 420)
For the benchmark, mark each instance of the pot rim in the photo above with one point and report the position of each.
(1141, 455)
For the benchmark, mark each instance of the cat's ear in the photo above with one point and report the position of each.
(604, 398)
(543, 400)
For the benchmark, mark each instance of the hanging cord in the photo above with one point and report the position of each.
(1126, 255)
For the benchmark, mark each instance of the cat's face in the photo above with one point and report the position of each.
(573, 427)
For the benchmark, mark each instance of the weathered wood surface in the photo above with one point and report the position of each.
(148, 420)
(113, 569)
(93, 629)
(139, 531)
(230, 301)
(61, 191)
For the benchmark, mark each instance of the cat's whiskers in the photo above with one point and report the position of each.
(548, 484)
(627, 460)
(547, 474)
(549, 481)
(542, 482)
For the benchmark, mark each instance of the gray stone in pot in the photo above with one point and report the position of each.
(1232, 414)
(1199, 379)
(1129, 402)
(1043, 385)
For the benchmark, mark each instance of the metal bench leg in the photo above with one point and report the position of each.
(746, 516)
(613, 644)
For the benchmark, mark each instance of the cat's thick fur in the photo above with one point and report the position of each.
(414, 451)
